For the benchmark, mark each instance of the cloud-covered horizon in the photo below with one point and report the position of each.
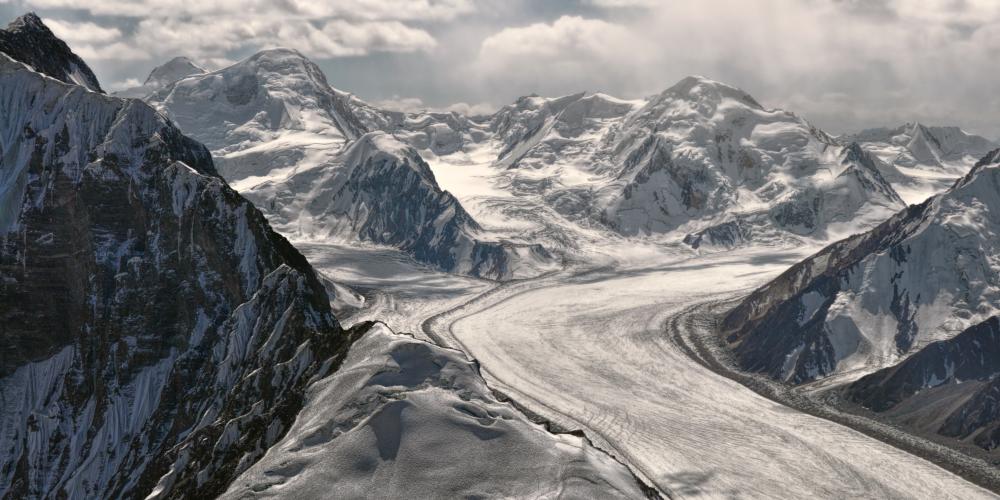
(842, 64)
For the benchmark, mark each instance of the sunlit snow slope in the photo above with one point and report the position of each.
(923, 160)
(403, 418)
(283, 137)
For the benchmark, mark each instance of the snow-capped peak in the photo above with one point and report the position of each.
(263, 97)
(171, 71)
(29, 41)
(700, 89)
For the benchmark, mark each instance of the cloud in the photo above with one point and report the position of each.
(383, 36)
(93, 42)
(416, 104)
(83, 32)
(616, 4)
(128, 83)
(370, 10)
(560, 56)
(208, 39)
(214, 30)
(843, 64)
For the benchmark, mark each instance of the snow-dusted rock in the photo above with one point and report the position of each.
(921, 161)
(403, 418)
(702, 149)
(157, 335)
(700, 154)
(380, 190)
(950, 387)
(870, 301)
(298, 148)
(29, 41)
(919, 145)
(276, 100)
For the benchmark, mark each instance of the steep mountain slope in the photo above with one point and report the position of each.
(155, 330)
(161, 76)
(157, 337)
(254, 115)
(348, 197)
(28, 40)
(700, 158)
(872, 300)
(438, 133)
(280, 134)
(403, 418)
(918, 145)
(922, 161)
(950, 387)
(702, 150)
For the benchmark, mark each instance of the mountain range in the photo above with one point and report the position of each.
(158, 337)
(162, 336)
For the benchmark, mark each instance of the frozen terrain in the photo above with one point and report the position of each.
(922, 160)
(161, 76)
(157, 337)
(585, 349)
(606, 219)
(403, 418)
(588, 351)
(310, 158)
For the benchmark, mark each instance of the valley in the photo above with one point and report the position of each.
(242, 282)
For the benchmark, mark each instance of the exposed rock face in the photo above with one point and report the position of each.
(438, 132)
(949, 387)
(380, 190)
(296, 147)
(261, 114)
(29, 41)
(916, 144)
(701, 149)
(698, 155)
(155, 334)
(921, 161)
(872, 300)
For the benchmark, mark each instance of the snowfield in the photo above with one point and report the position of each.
(588, 351)
(649, 208)
(403, 418)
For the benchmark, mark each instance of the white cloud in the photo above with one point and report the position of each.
(416, 104)
(84, 32)
(371, 10)
(212, 30)
(843, 64)
(93, 42)
(565, 54)
(212, 39)
(341, 37)
(615, 4)
(127, 83)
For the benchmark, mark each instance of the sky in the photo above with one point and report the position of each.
(844, 65)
